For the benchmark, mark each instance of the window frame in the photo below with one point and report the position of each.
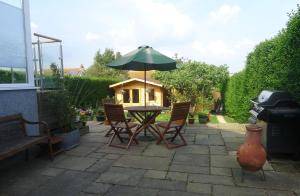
(28, 52)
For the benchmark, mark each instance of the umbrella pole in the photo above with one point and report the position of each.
(145, 88)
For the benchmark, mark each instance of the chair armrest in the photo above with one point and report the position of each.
(45, 125)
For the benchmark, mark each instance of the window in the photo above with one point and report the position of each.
(126, 96)
(151, 95)
(135, 95)
(14, 33)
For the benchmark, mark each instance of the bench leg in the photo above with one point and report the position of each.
(50, 149)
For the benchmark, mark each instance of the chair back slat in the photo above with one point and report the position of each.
(114, 113)
(180, 112)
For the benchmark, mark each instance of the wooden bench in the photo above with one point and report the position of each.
(14, 138)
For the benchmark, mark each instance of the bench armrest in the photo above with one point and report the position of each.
(45, 125)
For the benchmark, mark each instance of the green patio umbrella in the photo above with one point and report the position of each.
(145, 58)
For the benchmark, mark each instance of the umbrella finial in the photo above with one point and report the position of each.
(144, 46)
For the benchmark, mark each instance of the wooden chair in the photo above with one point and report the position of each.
(174, 126)
(119, 125)
(111, 101)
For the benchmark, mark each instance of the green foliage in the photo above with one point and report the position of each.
(6, 76)
(273, 65)
(88, 91)
(99, 68)
(58, 101)
(193, 81)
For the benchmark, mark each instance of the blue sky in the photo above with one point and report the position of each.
(216, 32)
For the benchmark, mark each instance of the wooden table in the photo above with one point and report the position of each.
(145, 115)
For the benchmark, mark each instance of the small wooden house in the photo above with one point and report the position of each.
(131, 93)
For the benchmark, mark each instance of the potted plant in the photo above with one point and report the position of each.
(66, 116)
(203, 118)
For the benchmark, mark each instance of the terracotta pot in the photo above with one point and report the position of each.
(251, 155)
(191, 120)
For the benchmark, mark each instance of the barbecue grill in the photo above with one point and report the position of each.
(278, 113)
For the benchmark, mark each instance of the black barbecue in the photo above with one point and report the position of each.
(279, 115)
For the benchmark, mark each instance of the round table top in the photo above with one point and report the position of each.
(145, 108)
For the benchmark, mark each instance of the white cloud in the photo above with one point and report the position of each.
(163, 19)
(91, 36)
(245, 44)
(213, 49)
(225, 13)
(33, 25)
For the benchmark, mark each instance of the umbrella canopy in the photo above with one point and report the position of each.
(144, 58)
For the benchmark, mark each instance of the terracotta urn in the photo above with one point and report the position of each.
(251, 155)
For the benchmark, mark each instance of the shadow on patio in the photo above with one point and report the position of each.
(207, 166)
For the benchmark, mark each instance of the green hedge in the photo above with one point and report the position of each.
(87, 91)
(273, 65)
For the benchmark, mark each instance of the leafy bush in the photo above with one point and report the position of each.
(273, 65)
(87, 91)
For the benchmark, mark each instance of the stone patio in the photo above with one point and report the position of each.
(207, 166)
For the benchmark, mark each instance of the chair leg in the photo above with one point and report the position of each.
(108, 132)
(111, 138)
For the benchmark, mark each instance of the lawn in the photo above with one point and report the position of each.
(166, 116)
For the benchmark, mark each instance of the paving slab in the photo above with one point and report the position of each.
(121, 176)
(279, 193)
(191, 159)
(144, 162)
(97, 155)
(225, 161)
(81, 150)
(199, 187)
(177, 193)
(189, 169)
(215, 140)
(52, 171)
(68, 183)
(202, 139)
(101, 165)
(112, 156)
(193, 149)
(274, 180)
(158, 150)
(76, 163)
(218, 150)
(221, 190)
(177, 176)
(221, 171)
(210, 179)
(163, 184)
(131, 191)
(155, 174)
(97, 188)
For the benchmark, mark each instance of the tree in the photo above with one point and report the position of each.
(99, 68)
(193, 81)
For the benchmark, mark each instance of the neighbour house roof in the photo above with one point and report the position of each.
(78, 71)
(148, 81)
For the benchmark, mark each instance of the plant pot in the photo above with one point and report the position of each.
(251, 155)
(106, 122)
(70, 139)
(100, 118)
(191, 120)
(203, 119)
